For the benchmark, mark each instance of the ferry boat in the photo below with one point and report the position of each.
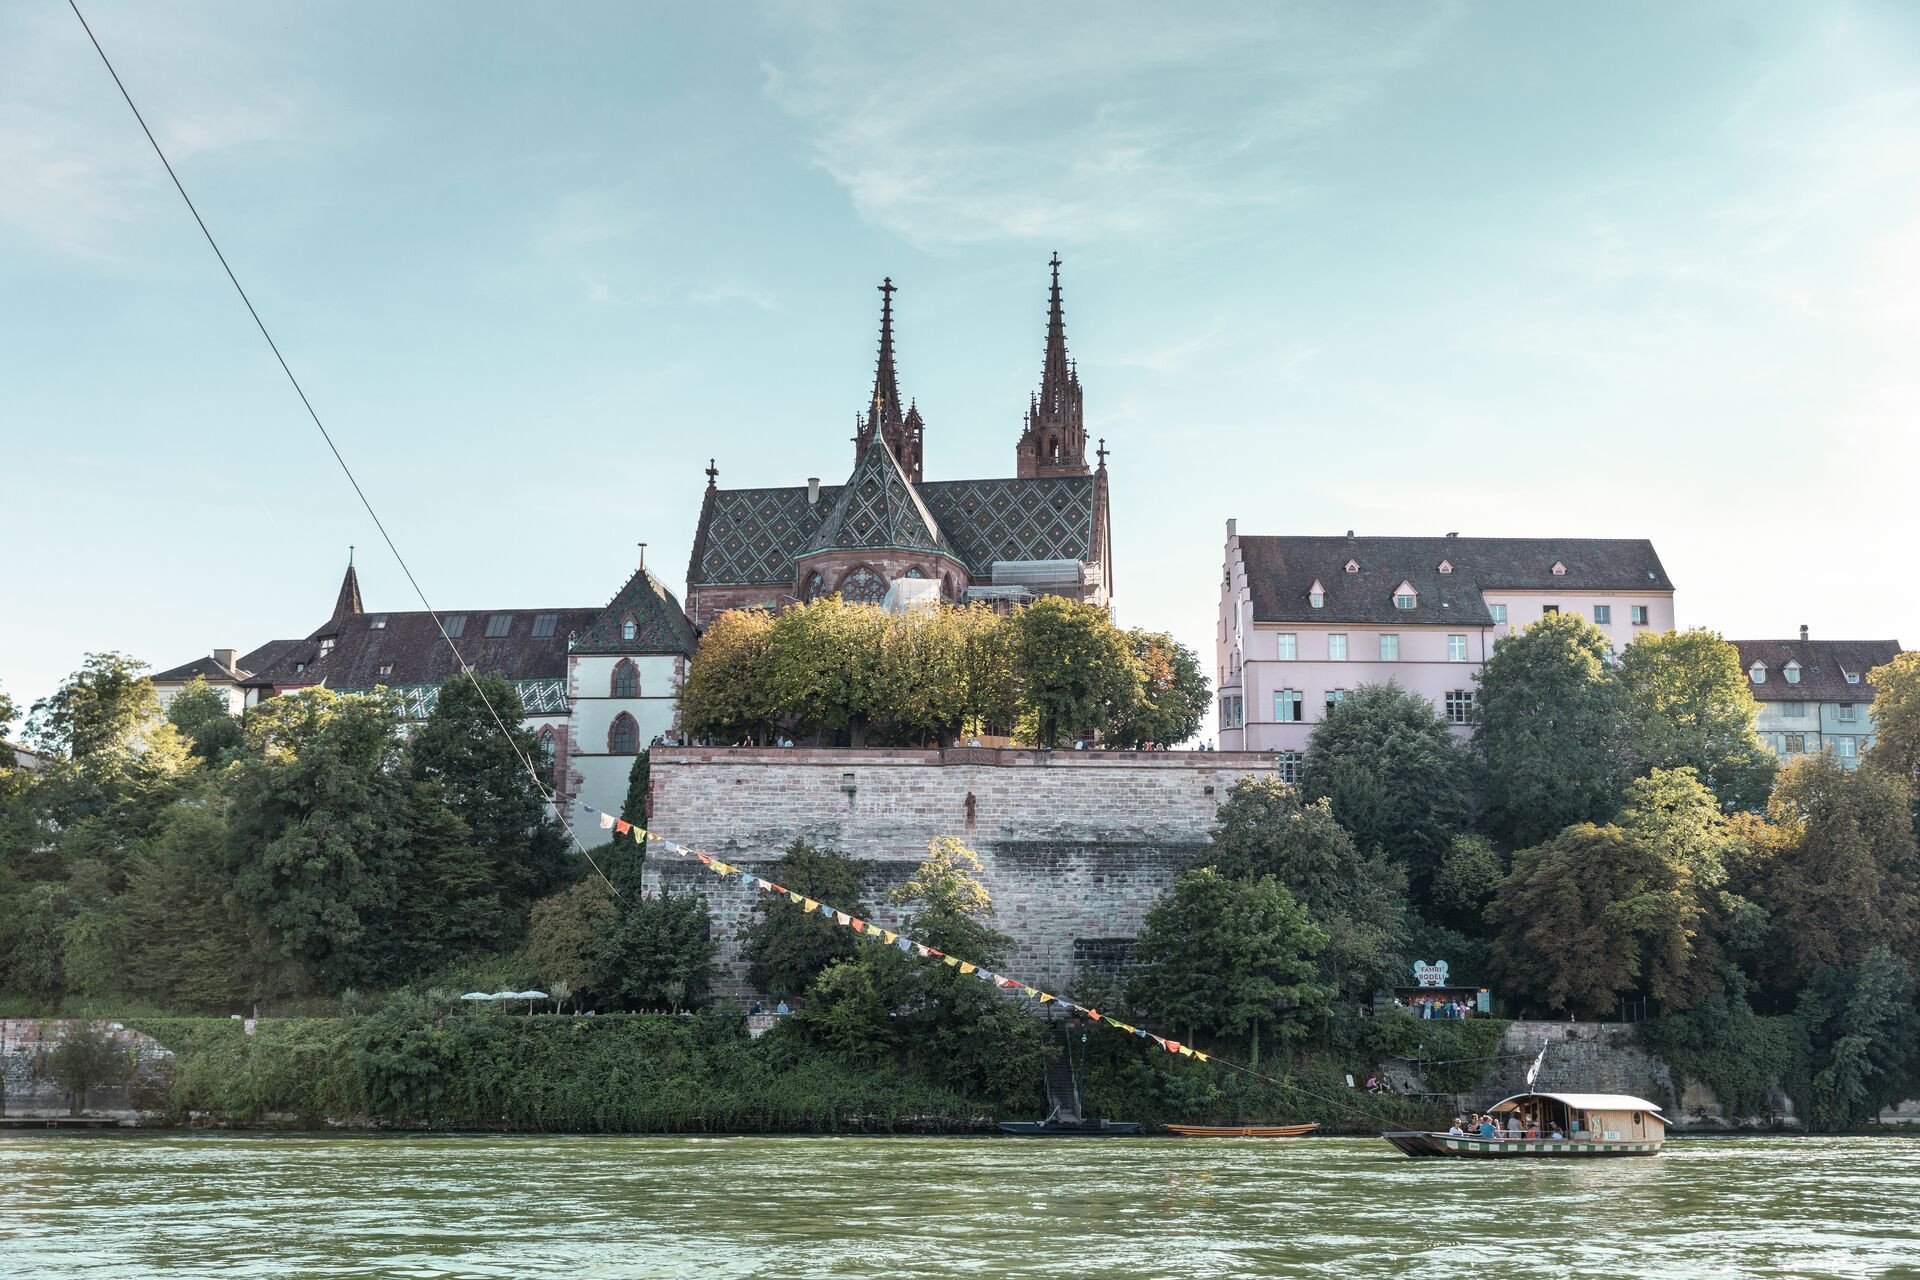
(1242, 1130)
(1552, 1125)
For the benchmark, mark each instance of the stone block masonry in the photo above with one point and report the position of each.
(1075, 845)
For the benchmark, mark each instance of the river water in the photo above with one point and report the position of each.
(430, 1206)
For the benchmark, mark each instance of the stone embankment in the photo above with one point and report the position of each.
(28, 1090)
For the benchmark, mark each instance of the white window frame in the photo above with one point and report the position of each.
(1289, 706)
(1337, 639)
(1792, 672)
(1603, 615)
(1757, 673)
(1637, 614)
(1456, 648)
(1389, 646)
(1498, 612)
(1287, 646)
(1847, 711)
(1457, 705)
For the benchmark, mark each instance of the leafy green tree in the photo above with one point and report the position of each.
(1075, 668)
(1358, 899)
(314, 853)
(1845, 880)
(659, 952)
(102, 712)
(1174, 694)
(32, 943)
(200, 713)
(824, 668)
(923, 668)
(188, 948)
(450, 901)
(567, 943)
(1896, 715)
(1228, 957)
(728, 695)
(1548, 730)
(786, 948)
(635, 808)
(1688, 705)
(1470, 873)
(481, 775)
(1594, 914)
(1395, 776)
(8, 714)
(88, 1058)
(1863, 1036)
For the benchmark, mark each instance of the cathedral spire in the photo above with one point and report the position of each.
(1055, 440)
(348, 602)
(884, 413)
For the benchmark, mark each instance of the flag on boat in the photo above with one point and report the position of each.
(1533, 1072)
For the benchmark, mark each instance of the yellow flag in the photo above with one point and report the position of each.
(794, 898)
(1200, 1055)
(1031, 993)
(1045, 998)
(1186, 1051)
(967, 968)
(887, 936)
(810, 904)
(953, 959)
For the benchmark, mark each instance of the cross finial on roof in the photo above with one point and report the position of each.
(713, 473)
(643, 553)
(1101, 453)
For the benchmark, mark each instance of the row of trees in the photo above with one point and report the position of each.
(856, 673)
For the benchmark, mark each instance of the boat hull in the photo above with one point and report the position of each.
(1085, 1129)
(1467, 1147)
(1242, 1131)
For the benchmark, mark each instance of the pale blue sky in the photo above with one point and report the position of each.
(1612, 270)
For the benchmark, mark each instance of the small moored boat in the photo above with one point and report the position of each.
(1552, 1125)
(1241, 1130)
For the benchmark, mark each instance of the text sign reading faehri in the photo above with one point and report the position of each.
(1430, 975)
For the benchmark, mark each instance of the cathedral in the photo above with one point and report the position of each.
(599, 683)
(1044, 531)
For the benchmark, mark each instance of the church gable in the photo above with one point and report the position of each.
(878, 509)
(642, 617)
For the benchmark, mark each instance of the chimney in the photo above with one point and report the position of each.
(1349, 535)
(643, 555)
(1233, 528)
(224, 657)
(1803, 632)
(813, 491)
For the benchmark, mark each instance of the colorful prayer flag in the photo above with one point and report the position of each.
(606, 822)
(639, 835)
(1045, 998)
(810, 905)
(967, 968)
(953, 960)
(906, 945)
(859, 925)
(1172, 1046)
(1187, 1050)
(621, 827)
(841, 917)
(705, 857)
(795, 898)
(1200, 1055)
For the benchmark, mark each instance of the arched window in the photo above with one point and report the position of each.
(863, 586)
(815, 584)
(914, 572)
(623, 738)
(629, 629)
(1053, 447)
(546, 746)
(626, 679)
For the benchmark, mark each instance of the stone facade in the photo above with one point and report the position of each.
(1075, 845)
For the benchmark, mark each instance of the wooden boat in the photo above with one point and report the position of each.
(1241, 1130)
(1588, 1125)
(1073, 1129)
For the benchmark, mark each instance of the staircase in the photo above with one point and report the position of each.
(1063, 1092)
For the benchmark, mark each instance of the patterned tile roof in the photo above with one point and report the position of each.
(752, 536)
(543, 697)
(1281, 573)
(877, 509)
(660, 624)
(1824, 666)
(409, 646)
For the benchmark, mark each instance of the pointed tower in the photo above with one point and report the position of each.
(1055, 441)
(902, 429)
(348, 602)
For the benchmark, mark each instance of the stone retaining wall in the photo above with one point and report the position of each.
(27, 1087)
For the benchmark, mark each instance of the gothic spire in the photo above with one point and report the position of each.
(884, 412)
(348, 602)
(1055, 439)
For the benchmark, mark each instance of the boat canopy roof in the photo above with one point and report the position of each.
(1583, 1101)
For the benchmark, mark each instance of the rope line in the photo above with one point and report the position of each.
(547, 795)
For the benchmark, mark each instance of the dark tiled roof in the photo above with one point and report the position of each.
(411, 645)
(877, 509)
(1824, 665)
(241, 671)
(1281, 573)
(753, 535)
(661, 625)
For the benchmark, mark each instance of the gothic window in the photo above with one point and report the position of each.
(863, 586)
(629, 629)
(626, 679)
(913, 573)
(623, 738)
(815, 584)
(546, 746)
(1053, 447)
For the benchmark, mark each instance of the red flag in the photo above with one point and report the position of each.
(621, 827)
(1173, 1046)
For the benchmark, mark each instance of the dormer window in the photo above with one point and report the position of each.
(326, 646)
(1317, 595)
(299, 668)
(1559, 570)
(1405, 597)
(1353, 566)
(1757, 673)
(1853, 677)
(386, 668)
(628, 629)
(1446, 566)
(379, 622)
(1793, 672)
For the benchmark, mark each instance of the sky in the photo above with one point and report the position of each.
(1633, 270)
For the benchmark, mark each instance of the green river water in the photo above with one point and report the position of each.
(430, 1206)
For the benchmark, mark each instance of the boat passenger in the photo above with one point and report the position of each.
(1513, 1125)
(1487, 1128)
(1559, 1136)
(1456, 1131)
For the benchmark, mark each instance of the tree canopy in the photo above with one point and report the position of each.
(787, 948)
(1687, 704)
(1896, 715)
(1174, 694)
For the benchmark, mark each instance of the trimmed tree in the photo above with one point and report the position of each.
(1229, 957)
(1548, 730)
(727, 696)
(1076, 671)
(1394, 774)
(1174, 694)
(1688, 705)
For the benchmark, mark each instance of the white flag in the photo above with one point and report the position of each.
(1533, 1071)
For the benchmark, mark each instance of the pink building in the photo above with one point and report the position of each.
(1306, 620)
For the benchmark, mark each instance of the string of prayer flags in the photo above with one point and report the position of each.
(606, 822)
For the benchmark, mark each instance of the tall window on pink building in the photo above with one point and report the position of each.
(1337, 647)
(1459, 706)
(1289, 646)
(1456, 648)
(1286, 706)
(1389, 647)
(1289, 763)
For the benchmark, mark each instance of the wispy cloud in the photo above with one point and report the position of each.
(997, 121)
(721, 295)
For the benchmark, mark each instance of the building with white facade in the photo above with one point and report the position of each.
(1814, 694)
(1305, 620)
